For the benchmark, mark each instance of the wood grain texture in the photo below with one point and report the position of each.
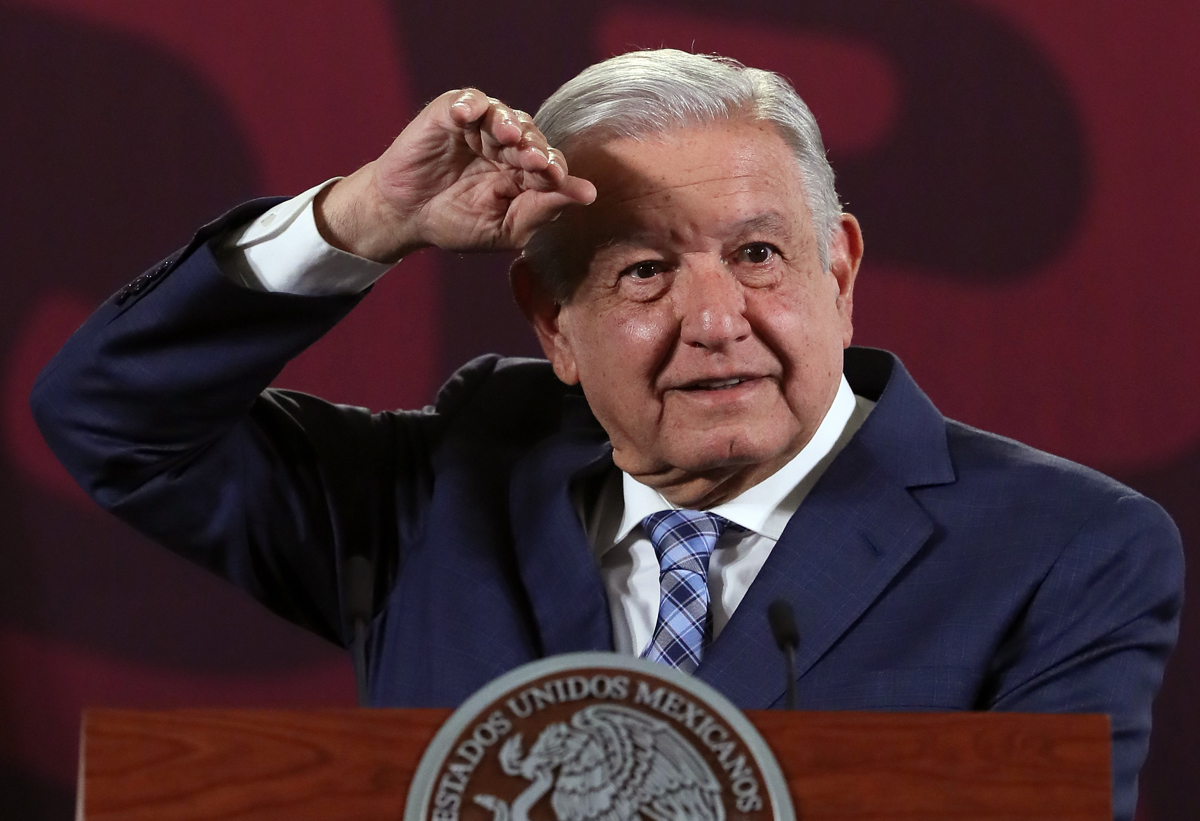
(188, 765)
(943, 765)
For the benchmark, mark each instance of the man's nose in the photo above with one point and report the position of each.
(711, 304)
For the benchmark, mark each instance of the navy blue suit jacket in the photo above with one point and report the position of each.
(932, 567)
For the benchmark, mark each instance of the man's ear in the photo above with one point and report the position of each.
(845, 254)
(545, 314)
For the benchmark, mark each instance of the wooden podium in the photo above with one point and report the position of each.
(356, 765)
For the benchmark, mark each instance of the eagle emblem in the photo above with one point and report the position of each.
(609, 763)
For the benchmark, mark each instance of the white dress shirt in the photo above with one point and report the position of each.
(283, 251)
(626, 557)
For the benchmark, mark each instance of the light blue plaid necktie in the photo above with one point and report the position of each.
(683, 540)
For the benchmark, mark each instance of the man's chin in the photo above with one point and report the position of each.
(725, 468)
(722, 451)
(707, 458)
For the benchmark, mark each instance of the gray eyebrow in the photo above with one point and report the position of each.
(768, 221)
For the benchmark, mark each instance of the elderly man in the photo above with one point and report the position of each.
(700, 443)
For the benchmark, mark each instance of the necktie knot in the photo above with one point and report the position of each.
(684, 541)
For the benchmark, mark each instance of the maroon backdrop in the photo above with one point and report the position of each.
(1022, 170)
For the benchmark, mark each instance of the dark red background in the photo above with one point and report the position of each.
(1025, 172)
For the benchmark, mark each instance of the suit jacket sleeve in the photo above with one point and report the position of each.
(1097, 631)
(157, 408)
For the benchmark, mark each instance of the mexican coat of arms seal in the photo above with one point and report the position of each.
(597, 737)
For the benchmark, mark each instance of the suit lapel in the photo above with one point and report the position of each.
(554, 558)
(852, 535)
(850, 538)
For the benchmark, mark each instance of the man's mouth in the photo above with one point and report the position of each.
(716, 384)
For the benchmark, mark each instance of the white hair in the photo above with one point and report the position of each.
(651, 92)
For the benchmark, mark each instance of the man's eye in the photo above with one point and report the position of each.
(756, 253)
(644, 270)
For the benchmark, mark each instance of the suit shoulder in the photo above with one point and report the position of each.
(494, 395)
(1037, 479)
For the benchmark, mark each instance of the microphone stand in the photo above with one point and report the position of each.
(787, 638)
(358, 582)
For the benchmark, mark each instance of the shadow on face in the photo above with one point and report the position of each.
(704, 332)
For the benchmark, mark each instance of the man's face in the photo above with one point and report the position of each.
(704, 333)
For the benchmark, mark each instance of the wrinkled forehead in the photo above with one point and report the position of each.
(701, 180)
(673, 152)
(694, 179)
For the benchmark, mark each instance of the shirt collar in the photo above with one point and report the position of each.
(766, 507)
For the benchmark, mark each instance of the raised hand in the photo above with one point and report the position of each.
(467, 174)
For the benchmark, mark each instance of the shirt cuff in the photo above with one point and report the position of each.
(282, 251)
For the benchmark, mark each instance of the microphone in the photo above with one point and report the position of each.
(783, 628)
(358, 583)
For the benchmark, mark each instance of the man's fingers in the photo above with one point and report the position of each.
(499, 128)
(464, 110)
(487, 125)
(537, 209)
(556, 167)
(511, 158)
(467, 106)
(507, 136)
(579, 190)
(536, 154)
(555, 177)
